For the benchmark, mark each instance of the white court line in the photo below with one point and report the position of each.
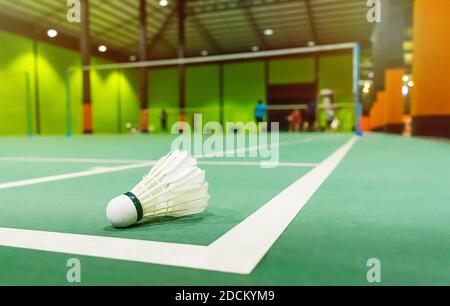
(103, 170)
(138, 164)
(238, 251)
(69, 160)
(133, 161)
(72, 175)
(257, 164)
(251, 239)
(236, 151)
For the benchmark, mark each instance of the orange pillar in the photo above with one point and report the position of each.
(376, 120)
(394, 101)
(373, 116)
(430, 105)
(143, 71)
(182, 120)
(144, 119)
(379, 121)
(87, 117)
(382, 109)
(365, 123)
(85, 49)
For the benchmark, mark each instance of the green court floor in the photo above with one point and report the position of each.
(388, 199)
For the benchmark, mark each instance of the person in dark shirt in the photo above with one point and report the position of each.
(164, 120)
(260, 111)
(312, 115)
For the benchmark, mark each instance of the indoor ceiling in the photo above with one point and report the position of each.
(215, 26)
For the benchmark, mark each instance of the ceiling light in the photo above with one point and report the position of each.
(163, 3)
(366, 90)
(371, 75)
(52, 33)
(204, 53)
(268, 32)
(102, 48)
(405, 78)
(411, 84)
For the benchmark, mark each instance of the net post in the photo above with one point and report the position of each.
(356, 78)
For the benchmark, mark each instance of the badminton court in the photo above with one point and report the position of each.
(238, 251)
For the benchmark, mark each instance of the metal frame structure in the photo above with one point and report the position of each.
(219, 26)
(353, 47)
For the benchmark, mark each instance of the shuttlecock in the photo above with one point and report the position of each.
(174, 187)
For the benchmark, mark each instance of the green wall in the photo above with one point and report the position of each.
(52, 73)
(291, 71)
(16, 59)
(115, 95)
(13, 104)
(336, 72)
(114, 99)
(244, 84)
(115, 102)
(105, 99)
(203, 92)
(163, 93)
(129, 104)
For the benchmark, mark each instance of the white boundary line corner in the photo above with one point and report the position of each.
(238, 251)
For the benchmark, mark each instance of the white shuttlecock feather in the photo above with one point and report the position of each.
(174, 187)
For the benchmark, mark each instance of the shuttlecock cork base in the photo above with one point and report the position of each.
(174, 187)
(124, 210)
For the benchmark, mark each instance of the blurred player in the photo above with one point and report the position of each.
(260, 111)
(164, 120)
(327, 101)
(296, 120)
(312, 116)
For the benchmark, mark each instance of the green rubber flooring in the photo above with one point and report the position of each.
(389, 199)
